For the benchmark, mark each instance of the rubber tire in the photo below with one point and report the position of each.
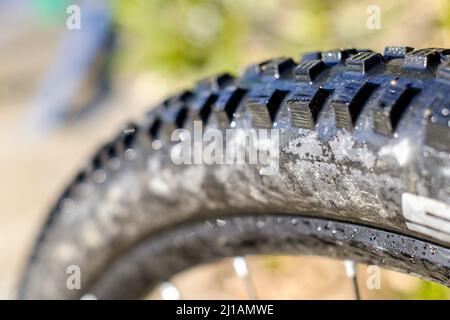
(358, 130)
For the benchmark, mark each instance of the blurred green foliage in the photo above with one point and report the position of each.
(430, 291)
(181, 36)
(176, 36)
(50, 11)
(191, 37)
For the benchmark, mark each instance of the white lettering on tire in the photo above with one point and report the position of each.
(427, 216)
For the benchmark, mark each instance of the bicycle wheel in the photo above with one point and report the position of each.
(357, 167)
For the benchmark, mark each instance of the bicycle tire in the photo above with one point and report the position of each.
(364, 144)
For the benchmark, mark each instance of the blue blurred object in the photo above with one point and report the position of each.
(80, 68)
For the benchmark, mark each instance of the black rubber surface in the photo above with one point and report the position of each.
(358, 131)
(162, 256)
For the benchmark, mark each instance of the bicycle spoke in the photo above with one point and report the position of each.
(241, 269)
(88, 296)
(169, 292)
(351, 269)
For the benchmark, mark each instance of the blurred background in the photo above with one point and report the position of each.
(71, 75)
